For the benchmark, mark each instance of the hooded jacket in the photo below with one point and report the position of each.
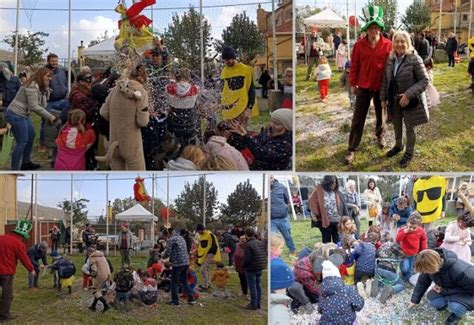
(218, 146)
(364, 254)
(100, 270)
(181, 164)
(456, 279)
(338, 302)
(304, 274)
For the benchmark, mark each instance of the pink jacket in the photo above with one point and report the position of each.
(72, 147)
(304, 274)
(218, 146)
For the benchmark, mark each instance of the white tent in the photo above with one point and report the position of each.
(103, 50)
(326, 18)
(136, 213)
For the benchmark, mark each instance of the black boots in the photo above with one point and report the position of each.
(452, 319)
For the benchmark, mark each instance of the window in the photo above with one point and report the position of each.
(465, 17)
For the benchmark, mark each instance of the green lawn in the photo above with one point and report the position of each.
(48, 306)
(446, 143)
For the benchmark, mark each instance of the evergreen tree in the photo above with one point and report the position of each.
(243, 206)
(417, 17)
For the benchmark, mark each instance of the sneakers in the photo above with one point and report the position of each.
(375, 289)
(406, 160)
(392, 152)
(453, 319)
(349, 157)
(361, 290)
(170, 303)
(381, 142)
(368, 287)
(387, 292)
(30, 166)
(41, 148)
(250, 307)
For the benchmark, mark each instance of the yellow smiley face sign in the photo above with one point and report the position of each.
(234, 96)
(428, 195)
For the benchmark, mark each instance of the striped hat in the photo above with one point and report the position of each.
(373, 15)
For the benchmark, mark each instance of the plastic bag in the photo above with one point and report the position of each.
(6, 147)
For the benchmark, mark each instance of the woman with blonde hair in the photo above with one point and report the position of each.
(192, 158)
(403, 92)
(454, 283)
(32, 97)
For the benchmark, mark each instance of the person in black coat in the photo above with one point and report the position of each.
(454, 279)
(255, 261)
(423, 47)
(9, 86)
(263, 80)
(451, 48)
(36, 253)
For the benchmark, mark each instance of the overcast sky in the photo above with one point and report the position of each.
(54, 187)
(87, 25)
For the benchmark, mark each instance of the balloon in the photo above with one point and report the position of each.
(353, 21)
(164, 213)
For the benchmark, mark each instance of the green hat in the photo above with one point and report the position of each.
(373, 15)
(23, 228)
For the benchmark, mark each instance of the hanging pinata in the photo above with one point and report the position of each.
(135, 30)
(140, 191)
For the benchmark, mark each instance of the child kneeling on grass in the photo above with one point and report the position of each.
(364, 256)
(338, 303)
(64, 270)
(123, 285)
(220, 278)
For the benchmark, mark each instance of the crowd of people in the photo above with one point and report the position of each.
(170, 267)
(400, 250)
(150, 114)
(392, 69)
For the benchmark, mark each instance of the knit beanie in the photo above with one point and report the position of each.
(281, 275)
(329, 269)
(228, 53)
(284, 116)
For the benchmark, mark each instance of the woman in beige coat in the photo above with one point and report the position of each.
(373, 199)
(100, 273)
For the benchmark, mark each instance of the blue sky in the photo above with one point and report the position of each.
(88, 25)
(54, 187)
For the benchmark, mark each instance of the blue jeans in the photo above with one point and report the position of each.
(122, 297)
(255, 287)
(58, 105)
(179, 276)
(454, 307)
(24, 134)
(397, 284)
(283, 226)
(33, 280)
(406, 267)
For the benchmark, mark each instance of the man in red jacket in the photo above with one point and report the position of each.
(365, 77)
(12, 249)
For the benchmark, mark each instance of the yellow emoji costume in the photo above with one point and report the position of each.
(206, 241)
(428, 195)
(234, 96)
(471, 47)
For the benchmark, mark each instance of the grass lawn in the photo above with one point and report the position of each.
(446, 143)
(44, 159)
(393, 312)
(48, 306)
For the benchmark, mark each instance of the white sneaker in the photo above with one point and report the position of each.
(361, 290)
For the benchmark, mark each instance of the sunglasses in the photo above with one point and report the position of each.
(432, 193)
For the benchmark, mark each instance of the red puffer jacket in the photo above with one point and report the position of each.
(304, 274)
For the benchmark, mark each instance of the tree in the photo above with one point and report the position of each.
(182, 38)
(243, 206)
(30, 47)
(99, 39)
(417, 17)
(189, 204)
(390, 12)
(79, 212)
(244, 37)
(301, 14)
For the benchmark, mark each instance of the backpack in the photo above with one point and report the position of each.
(124, 280)
(66, 269)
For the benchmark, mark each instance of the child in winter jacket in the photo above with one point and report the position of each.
(73, 141)
(388, 282)
(364, 255)
(220, 279)
(182, 115)
(323, 75)
(385, 221)
(412, 240)
(338, 303)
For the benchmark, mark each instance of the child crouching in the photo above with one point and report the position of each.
(123, 285)
(220, 278)
(338, 303)
(64, 270)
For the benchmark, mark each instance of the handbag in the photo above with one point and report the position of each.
(6, 147)
(373, 212)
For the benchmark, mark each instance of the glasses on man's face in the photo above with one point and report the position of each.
(88, 79)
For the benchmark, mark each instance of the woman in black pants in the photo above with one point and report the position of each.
(327, 207)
